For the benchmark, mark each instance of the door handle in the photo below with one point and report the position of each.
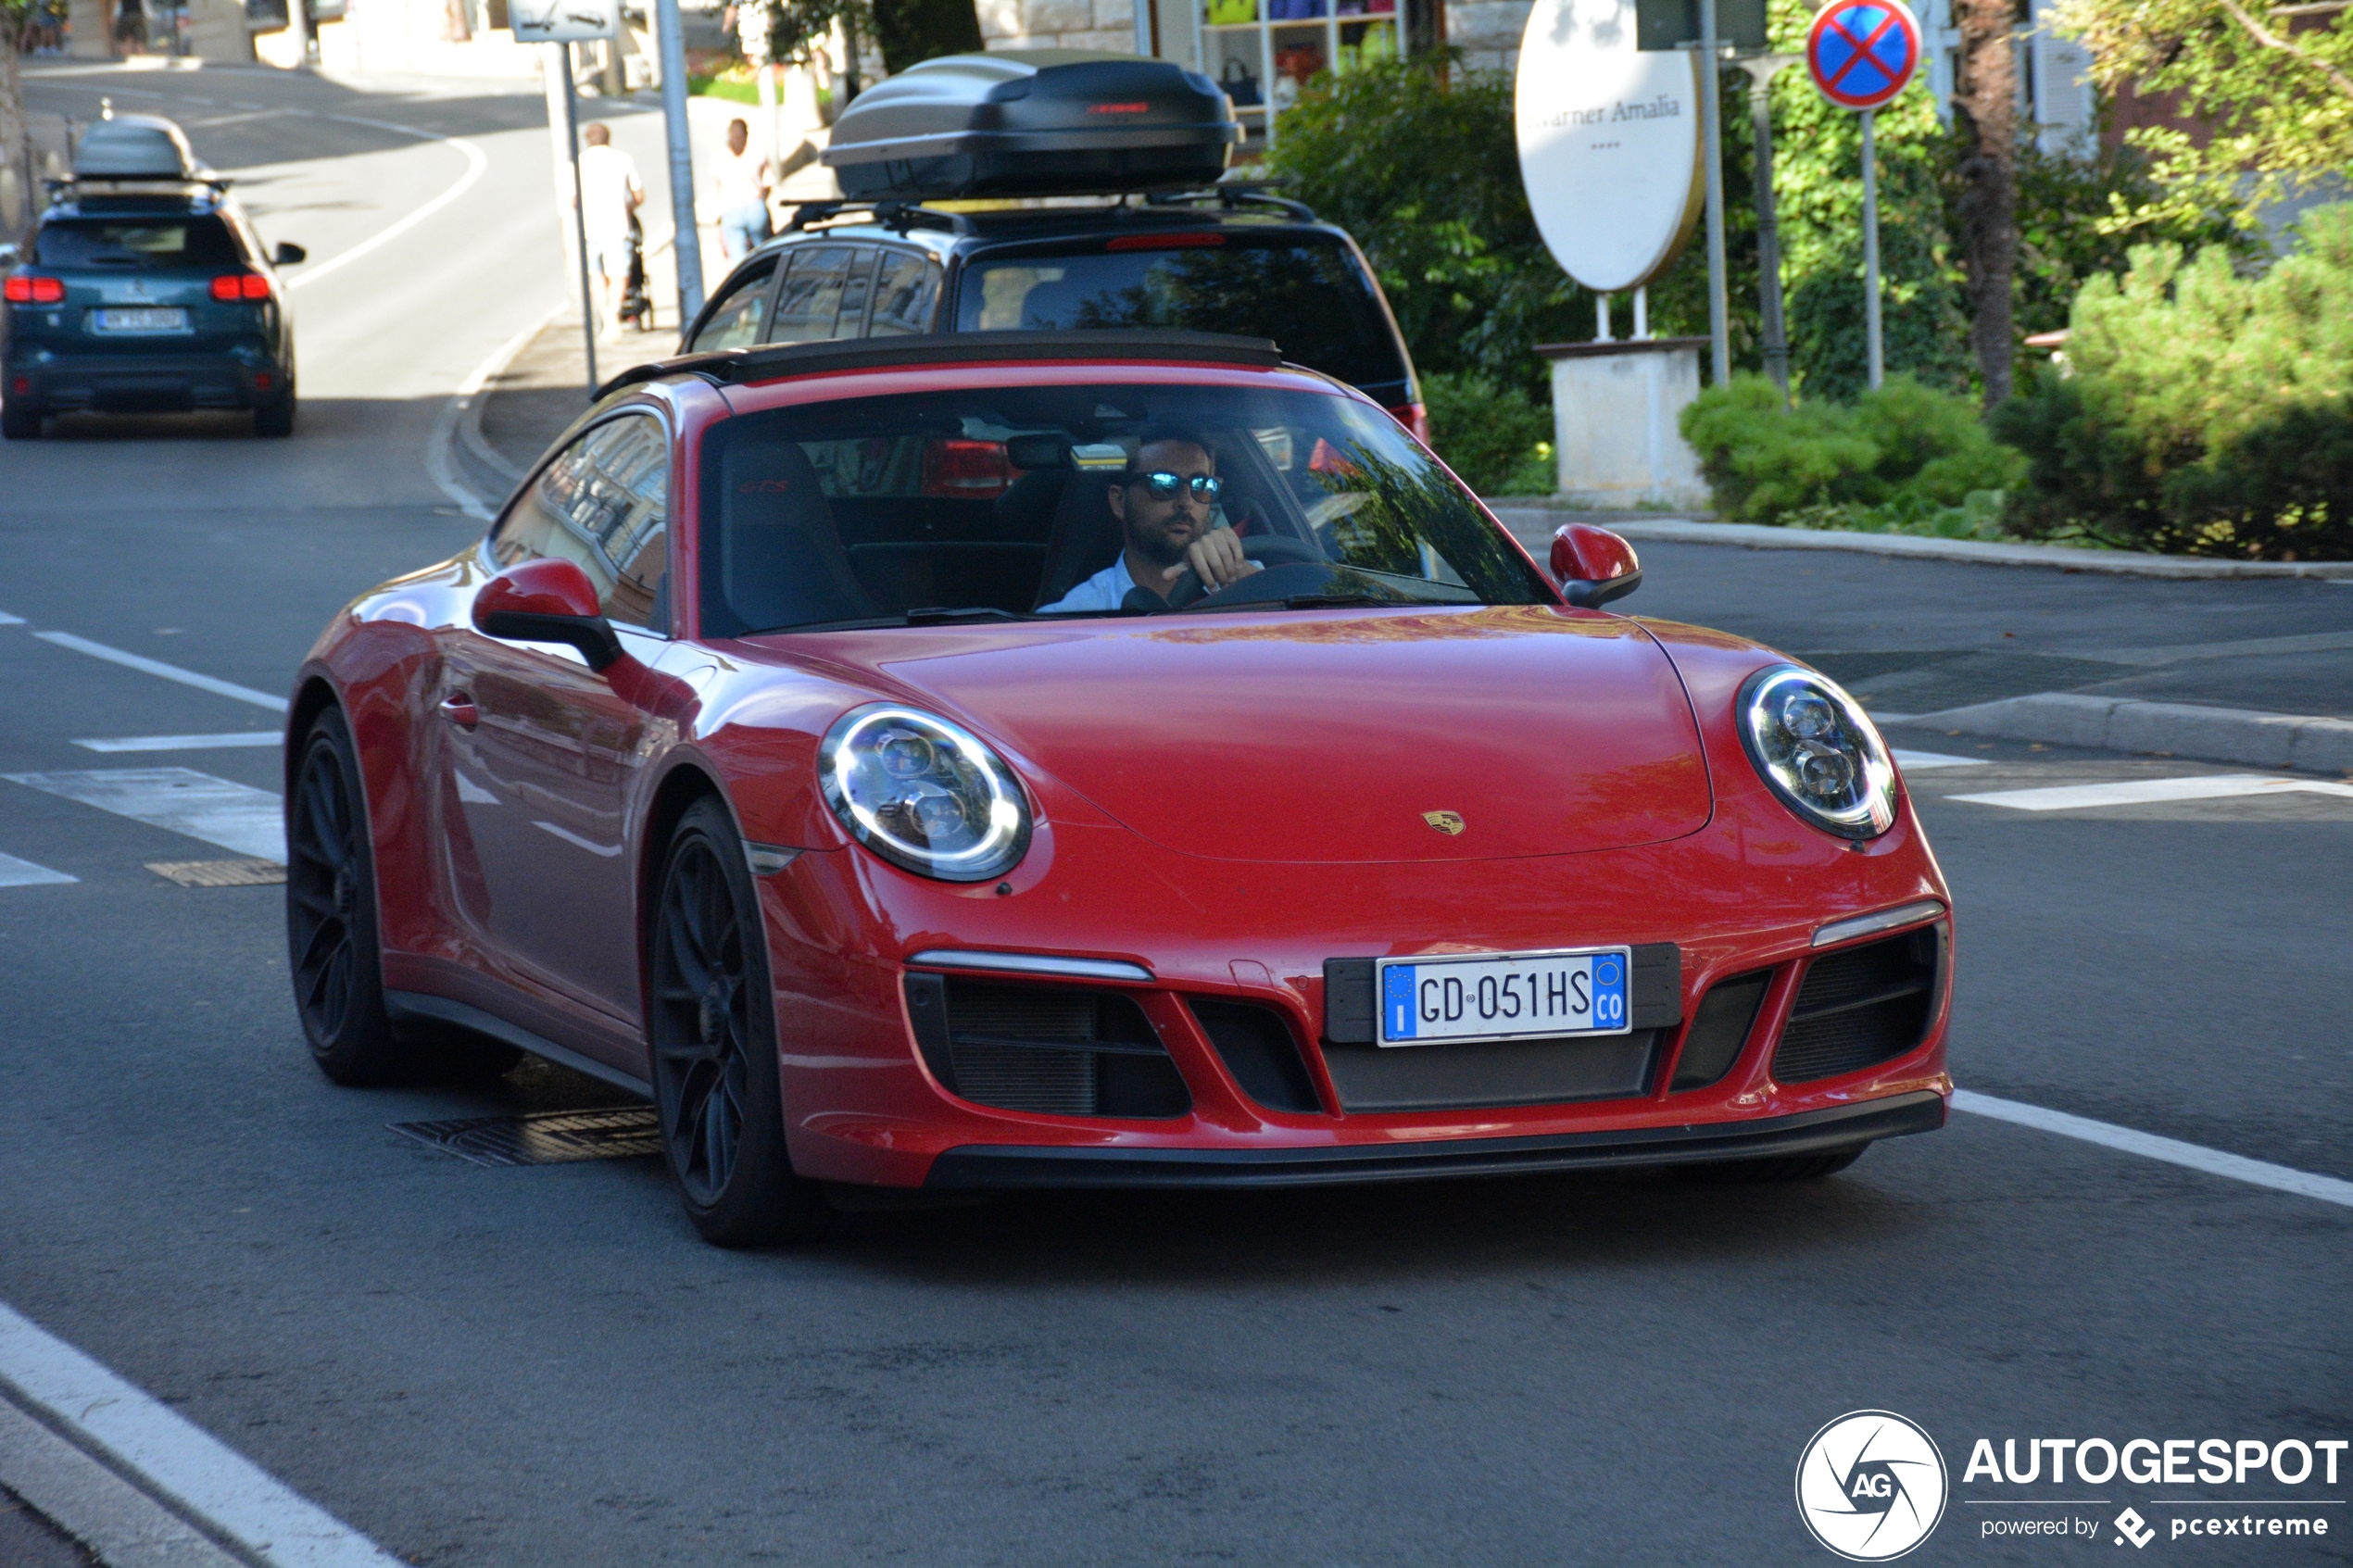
(460, 709)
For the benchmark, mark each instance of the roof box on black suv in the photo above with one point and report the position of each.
(1034, 123)
(134, 147)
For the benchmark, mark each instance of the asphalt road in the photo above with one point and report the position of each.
(543, 1365)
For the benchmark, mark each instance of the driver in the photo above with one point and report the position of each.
(1162, 502)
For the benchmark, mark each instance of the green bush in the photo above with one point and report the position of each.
(1495, 437)
(1906, 450)
(2201, 411)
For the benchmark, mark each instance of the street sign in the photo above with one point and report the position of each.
(1675, 24)
(563, 21)
(1609, 143)
(1861, 53)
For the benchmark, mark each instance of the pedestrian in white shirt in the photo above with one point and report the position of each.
(610, 193)
(739, 193)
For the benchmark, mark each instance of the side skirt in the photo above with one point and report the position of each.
(417, 1007)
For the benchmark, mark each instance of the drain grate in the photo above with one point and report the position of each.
(220, 873)
(543, 1137)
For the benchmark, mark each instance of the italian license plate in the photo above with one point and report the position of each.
(1508, 996)
(147, 318)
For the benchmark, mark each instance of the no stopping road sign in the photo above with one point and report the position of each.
(1862, 52)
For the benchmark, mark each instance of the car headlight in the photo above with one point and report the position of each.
(923, 794)
(1811, 743)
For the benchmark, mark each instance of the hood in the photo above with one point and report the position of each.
(1340, 736)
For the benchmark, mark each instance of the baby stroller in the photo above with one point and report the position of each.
(637, 305)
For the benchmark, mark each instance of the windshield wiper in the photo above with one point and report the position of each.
(934, 615)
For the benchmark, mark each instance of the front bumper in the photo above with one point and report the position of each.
(998, 1167)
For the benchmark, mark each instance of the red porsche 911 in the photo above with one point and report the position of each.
(1094, 760)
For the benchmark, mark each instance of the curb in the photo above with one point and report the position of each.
(1975, 552)
(2106, 723)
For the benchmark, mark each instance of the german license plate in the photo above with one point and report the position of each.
(1505, 996)
(147, 318)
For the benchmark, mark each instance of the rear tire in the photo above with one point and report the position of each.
(336, 962)
(20, 424)
(275, 418)
(1784, 1168)
(713, 1038)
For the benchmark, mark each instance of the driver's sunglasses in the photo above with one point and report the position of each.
(1164, 485)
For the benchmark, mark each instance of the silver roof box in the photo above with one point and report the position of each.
(135, 147)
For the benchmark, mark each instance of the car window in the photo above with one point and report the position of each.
(811, 296)
(857, 285)
(1309, 294)
(738, 319)
(850, 512)
(140, 242)
(604, 503)
(905, 290)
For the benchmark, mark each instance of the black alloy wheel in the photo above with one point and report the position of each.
(330, 912)
(21, 423)
(714, 1048)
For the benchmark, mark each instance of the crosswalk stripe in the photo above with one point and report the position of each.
(234, 815)
(168, 672)
(8, 619)
(24, 873)
(186, 743)
(1921, 761)
(2149, 1145)
(2152, 791)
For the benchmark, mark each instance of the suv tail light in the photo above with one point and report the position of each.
(34, 291)
(230, 287)
(973, 470)
(1414, 417)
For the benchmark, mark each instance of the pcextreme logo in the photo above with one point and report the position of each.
(1871, 1485)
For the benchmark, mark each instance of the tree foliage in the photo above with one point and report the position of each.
(2276, 91)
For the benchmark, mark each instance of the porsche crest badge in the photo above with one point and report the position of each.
(1447, 822)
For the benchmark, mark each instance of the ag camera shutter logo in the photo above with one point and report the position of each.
(1871, 1485)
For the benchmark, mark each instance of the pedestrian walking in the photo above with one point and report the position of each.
(610, 193)
(739, 189)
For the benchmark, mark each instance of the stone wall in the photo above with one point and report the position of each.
(1059, 24)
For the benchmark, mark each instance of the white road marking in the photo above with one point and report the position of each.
(1921, 761)
(606, 850)
(477, 164)
(234, 815)
(2172, 1151)
(186, 743)
(8, 619)
(2151, 792)
(168, 672)
(24, 873)
(184, 1463)
(122, 1527)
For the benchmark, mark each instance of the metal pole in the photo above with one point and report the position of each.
(1761, 71)
(580, 231)
(1601, 318)
(1718, 313)
(1870, 251)
(686, 246)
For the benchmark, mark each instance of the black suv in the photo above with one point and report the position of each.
(1228, 260)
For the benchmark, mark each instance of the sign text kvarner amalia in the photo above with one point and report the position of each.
(1609, 143)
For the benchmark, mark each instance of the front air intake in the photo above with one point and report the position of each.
(1057, 1050)
(1257, 1048)
(1862, 1007)
(1720, 1028)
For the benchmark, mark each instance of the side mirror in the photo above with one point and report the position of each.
(288, 255)
(10, 256)
(548, 601)
(1593, 565)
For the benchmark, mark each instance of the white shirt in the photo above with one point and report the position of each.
(1106, 590)
(608, 177)
(740, 180)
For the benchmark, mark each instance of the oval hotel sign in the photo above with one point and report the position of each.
(1609, 143)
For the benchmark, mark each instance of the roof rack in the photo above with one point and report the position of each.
(735, 366)
(1231, 194)
(897, 215)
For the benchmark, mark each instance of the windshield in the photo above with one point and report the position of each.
(1309, 295)
(990, 503)
(136, 243)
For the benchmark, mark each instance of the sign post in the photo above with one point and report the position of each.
(1861, 53)
(559, 24)
(1719, 333)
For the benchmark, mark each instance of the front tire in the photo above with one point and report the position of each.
(330, 912)
(20, 424)
(713, 1027)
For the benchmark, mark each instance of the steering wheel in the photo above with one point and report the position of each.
(1188, 588)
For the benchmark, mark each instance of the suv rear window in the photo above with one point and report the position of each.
(136, 241)
(1305, 291)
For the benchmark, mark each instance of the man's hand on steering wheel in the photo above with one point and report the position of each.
(1216, 558)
